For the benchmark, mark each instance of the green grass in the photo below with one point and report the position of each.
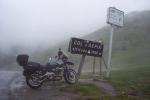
(92, 92)
(131, 84)
(89, 91)
(134, 81)
(83, 89)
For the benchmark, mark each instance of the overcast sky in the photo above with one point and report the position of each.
(31, 22)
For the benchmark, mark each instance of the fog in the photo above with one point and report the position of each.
(33, 23)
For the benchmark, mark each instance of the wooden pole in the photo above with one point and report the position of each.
(80, 68)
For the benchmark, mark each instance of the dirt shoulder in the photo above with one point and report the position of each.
(107, 88)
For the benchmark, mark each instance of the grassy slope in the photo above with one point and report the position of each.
(131, 53)
(130, 43)
(133, 81)
(131, 84)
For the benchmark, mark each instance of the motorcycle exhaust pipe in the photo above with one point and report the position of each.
(46, 76)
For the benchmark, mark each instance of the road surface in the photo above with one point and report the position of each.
(7, 83)
(13, 87)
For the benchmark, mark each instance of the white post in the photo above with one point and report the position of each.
(110, 50)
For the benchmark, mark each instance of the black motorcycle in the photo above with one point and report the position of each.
(55, 69)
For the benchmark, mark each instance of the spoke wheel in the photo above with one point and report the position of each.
(70, 76)
(33, 81)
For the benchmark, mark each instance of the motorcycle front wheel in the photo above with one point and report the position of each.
(70, 76)
(33, 82)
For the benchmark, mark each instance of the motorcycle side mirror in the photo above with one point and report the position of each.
(50, 59)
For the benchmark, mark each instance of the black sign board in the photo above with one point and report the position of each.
(85, 47)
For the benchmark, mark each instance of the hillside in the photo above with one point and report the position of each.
(130, 44)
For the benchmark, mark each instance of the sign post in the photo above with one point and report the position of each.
(80, 68)
(109, 54)
(94, 66)
(115, 17)
(100, 63)
(85, 47)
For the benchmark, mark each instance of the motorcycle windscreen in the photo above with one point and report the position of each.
(22, 59)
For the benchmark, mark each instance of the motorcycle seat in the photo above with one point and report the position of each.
(32, 65)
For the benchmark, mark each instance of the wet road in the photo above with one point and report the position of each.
(13, 87)
(7, 83)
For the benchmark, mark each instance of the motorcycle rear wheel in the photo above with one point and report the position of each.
(33, 82)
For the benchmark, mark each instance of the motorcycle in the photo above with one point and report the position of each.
(56, 69)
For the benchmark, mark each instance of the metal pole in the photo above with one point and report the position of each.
(110, 50)
(100, 66)
(94, 65)
(80, 68)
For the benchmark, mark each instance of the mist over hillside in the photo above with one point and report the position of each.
(130, 44)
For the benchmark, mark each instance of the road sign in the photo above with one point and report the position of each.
(115, 16)
(85, 47)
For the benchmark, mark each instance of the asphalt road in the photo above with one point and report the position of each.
(6, 83)
(13, 87)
